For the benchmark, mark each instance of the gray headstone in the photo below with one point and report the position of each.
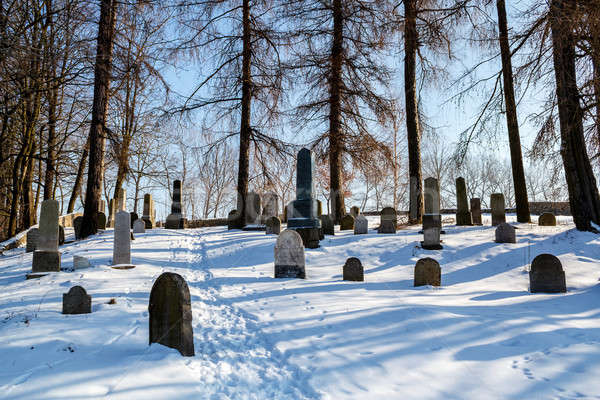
(253, 202)
(547, 275)
(122, 239)
(77, 301)
(33, 235)
(431, 238)
(271, 205)
(305, 175)
(547, 219)
(498, 208)
(388, 220)
(46, 257)
(327, 225)
(432, 221)
(273, 225)
(77, 222)
(353, 270)
(170, 312)
(354, 211)
(139, 226)
(361, 225)
(505, 233)
(476, 211)
(427, 272)
(463, 215)
(432, 196)
(101, 220)
(289, 255)
(347, 223)
(80, 262)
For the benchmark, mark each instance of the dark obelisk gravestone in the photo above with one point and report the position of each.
(304, 212)
(171, 314)
(463, 215)
(175, 219)
(46, 257)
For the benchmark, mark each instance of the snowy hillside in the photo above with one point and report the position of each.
(481, 335)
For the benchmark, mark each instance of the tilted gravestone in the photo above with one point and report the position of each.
(476, 211)
(175, 219)
(170, 312)
(273, 225)
(547, 275)
(361, 225)
(139, 226)
(327, 225)
(289, 255)
(77, 222)
(506, 233)
(271, 207)
(427, 272)
(101, 220)
(61, 235)
(148, 214)
(304, 217)
(354, 211)
(547, 219)
(46, 257)
(463, 215)
(347, 223)
(122, 240)
(498, 209)
(32, 239)
(353, 270)
(388, 220)
(77, 301)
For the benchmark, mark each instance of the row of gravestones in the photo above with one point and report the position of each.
(170, 311)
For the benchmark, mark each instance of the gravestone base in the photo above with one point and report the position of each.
(290, 271)
(431, 246)
(175, 221)
(45, 261)
(387, 226)
(310, 237)
(123, 266)
(34, 276)
(251, 228)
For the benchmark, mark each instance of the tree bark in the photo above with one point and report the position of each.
(78, 178)
(413, 132)
(336, 145)
(245, 128)
(97, 136)
(514, 138)
(581, 183)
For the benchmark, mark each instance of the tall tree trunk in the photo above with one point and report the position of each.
(583, 192)
(52, 97)
(78, 178)
(245, 128)
(28, 213)
(336, 145)
(514, 138)
(413, 131)
(123, 161)
(97, 137)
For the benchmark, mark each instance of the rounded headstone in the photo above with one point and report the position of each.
(506, 233)
(353, 270)
(77, 222)
(139, 226)
(347, 223)
(101, 220)
(388, 220)
(77, 301)
(289, 255)
(361, 225)
(547, 219)
(427, 272)
(273, 226)
(547, 275)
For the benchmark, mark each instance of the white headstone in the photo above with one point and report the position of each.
(122, 239)
(139, 226)
(289, 255)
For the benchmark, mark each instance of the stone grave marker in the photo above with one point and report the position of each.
(33, 235)
(77, 301)
(476, 211)
(498, 209)
(347, 223)
(432, 196)
(463, 215)
(388, 220)
(232, 219)
(353, 270)
(80, 262)
(289, 255)
(170, 312)
(431, 237)
(46, 257)
(273, 226)
(148, 214)
(506, 233)
(361, 225)
(101, 220)
(122, 241)
(175, 220)
(327, 225)
(139, 226)
(77, 222)
(547, 275)
(253, 209)
(271, 207)
(547, 219)
(427, 272)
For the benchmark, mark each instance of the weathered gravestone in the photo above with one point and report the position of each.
(46, 257)
(148, 214)
(432, 217)
(353, 270)
(253, 208)
(354, 211)
(327, 225)
(175, 219)
(361, 225)
(506, 233)
(547, 275)
(427, 272)
(232, 219)
(77, 222)
(32, 239)
(139, 226)
(498, 209)
(271, 207)
(289, 255)
(61, 235)
(80, 262)
(303, 218)
(273, 225)
(476, 211)
(122, 241)
(347, 223)
(77, 301)
(170, 312)
(101, 220)
(132, 218)
(432, 221)
(388, 220)
(431, 236)
(463, 216)
(547, 219)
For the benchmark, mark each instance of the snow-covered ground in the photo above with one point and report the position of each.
(481, 335)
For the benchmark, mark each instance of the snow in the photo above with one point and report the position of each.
(480, 335)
